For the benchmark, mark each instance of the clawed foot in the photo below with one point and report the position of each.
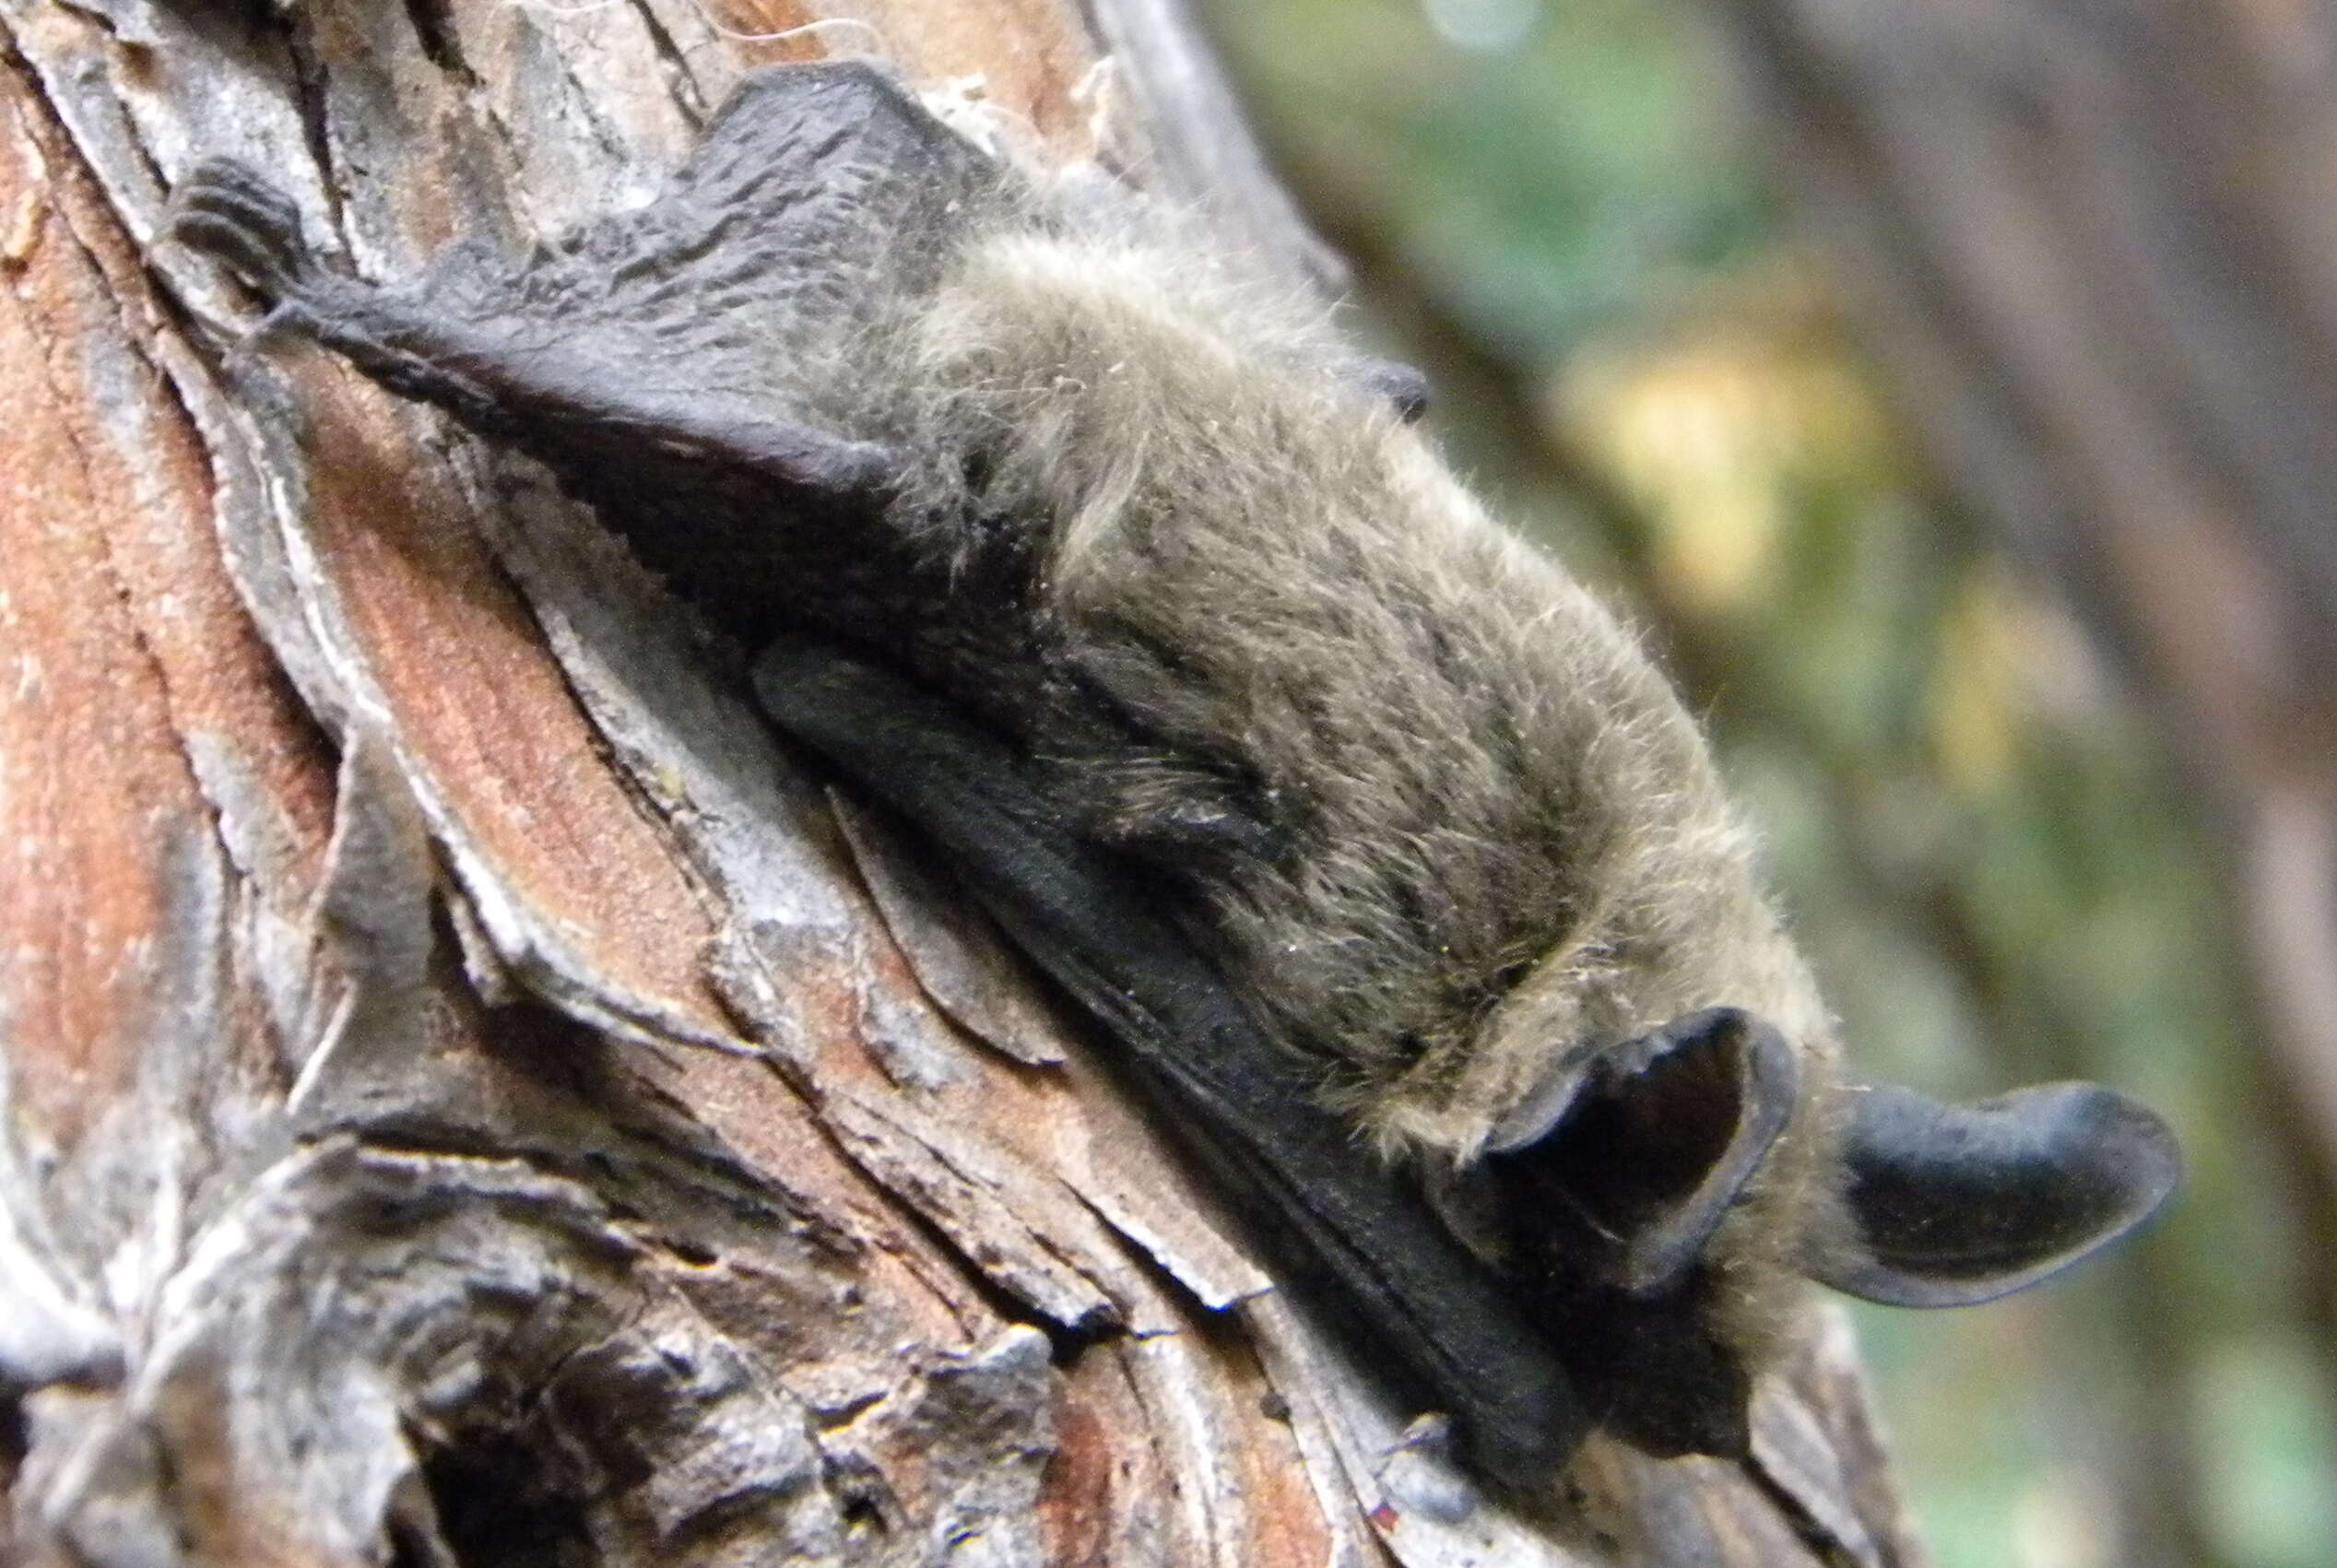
(227, 211)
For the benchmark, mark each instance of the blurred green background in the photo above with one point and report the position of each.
(1562, 212)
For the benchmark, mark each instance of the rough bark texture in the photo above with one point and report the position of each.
(469, 1097)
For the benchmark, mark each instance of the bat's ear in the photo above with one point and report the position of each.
(1651, 1141)
(1949, 1205)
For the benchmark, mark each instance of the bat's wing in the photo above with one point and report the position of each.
(656, 359)
(1337, 1218)
(814, 191)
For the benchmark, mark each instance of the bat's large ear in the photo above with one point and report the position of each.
(1949, 1205)
(1652, 1140)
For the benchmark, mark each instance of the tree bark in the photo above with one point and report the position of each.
(471, 1096)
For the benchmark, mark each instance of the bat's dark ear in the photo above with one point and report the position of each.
(1949, 1205)
(1652, 1140)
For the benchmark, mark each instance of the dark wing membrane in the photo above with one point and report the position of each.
(1332, 1214)
(675, 365)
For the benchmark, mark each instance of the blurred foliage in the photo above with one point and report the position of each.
(1990, 867)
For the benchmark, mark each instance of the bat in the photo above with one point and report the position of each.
(1376, 844)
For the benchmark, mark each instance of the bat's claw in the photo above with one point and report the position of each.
(224, 210)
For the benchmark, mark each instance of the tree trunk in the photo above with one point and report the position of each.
(471, 1098)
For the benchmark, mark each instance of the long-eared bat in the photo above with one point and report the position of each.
(1378, 843)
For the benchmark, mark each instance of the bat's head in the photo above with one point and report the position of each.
(1656, 1200)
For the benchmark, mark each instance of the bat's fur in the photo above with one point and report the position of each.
(1426, 800)
(1130, 501)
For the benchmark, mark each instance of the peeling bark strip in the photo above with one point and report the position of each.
(467, 1100)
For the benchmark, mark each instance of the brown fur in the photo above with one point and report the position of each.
(1429, 804)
